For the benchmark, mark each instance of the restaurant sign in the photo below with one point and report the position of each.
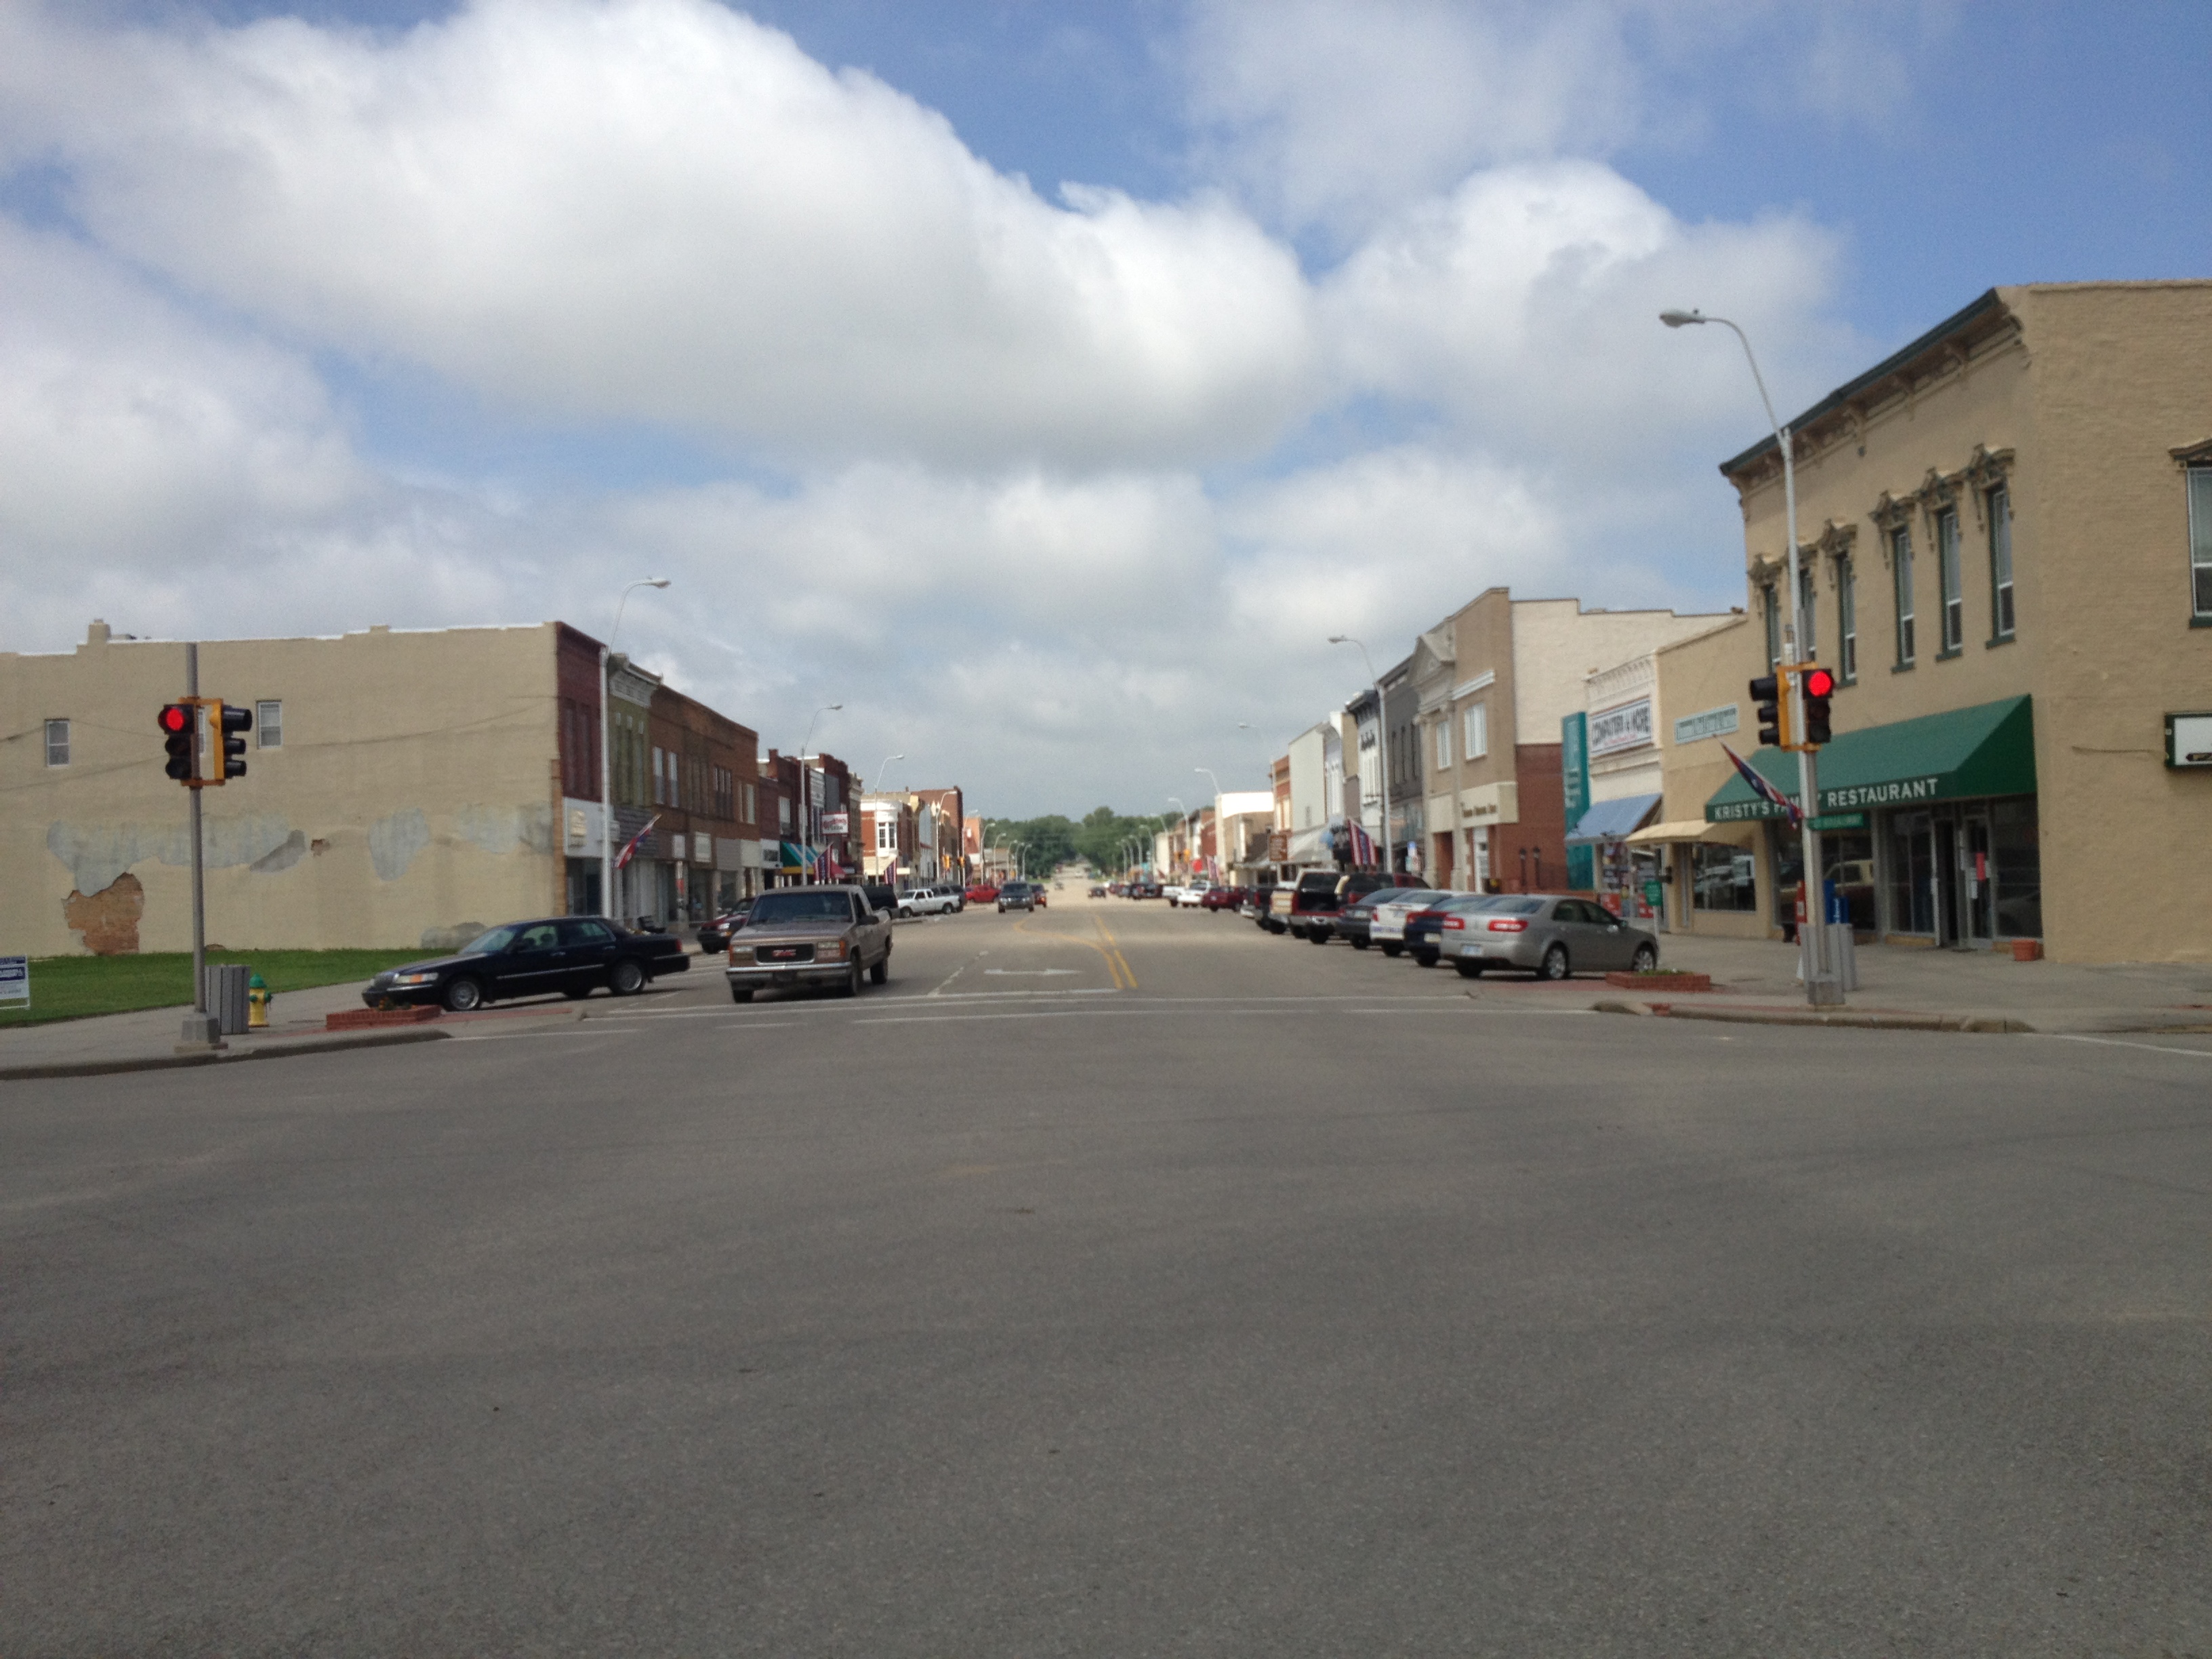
(1895, 793)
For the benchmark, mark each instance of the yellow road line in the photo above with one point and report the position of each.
(1114, 954)
(1116, 968)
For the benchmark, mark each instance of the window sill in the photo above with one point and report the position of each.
(2200, 622)
(1901, 668)
(1954, 651)
(2002, 639)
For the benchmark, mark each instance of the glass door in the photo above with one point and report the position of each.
(1977, 890)
(1912, 904)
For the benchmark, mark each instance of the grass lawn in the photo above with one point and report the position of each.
(68, 988)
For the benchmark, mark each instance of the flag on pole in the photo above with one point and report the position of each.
(630, 846)
(1363, 844)
(1763, 789)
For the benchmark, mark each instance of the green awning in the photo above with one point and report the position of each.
(1960, 754)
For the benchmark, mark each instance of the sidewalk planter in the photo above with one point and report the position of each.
(1660, 981)
(2028, 950)
(361, 1019)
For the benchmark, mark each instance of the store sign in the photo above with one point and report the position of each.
(837, 824)
(16, 980)
(1840, 821)
(1628, 726)
(1896, 792)
(1711, 723)
(2188, 740)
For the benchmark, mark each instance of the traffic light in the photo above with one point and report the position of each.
(180, 723)
(1819, 686)
(225, 724)
(1773, 707)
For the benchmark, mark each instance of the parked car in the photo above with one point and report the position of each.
(573, 956)
(1190, 896)
(1097, 892)
(1308, 910)
(929, 902)
(982, 892)
(1019, 896)
(827, 936)
(1426, 926)
(1146, 889)
(1260, 905)
(1352, 922)
(715, 936)
(1550, 935)
(880, 895)
(1224, 898)
(1387, 928)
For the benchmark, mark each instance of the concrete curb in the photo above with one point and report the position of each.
(1846, 1018)
(175, 1062)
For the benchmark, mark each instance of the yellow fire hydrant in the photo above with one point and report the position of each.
(258, 996)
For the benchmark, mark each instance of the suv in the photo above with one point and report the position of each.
(1019, 896)
(827, 936)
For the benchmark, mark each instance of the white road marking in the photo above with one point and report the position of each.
(1029, 973)
(2115, 1042)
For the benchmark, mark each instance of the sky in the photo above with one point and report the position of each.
(1043, 383)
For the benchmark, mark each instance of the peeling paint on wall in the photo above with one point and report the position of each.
(109, 918)
(505, 829)
(293, 848)
(394, 841)
(96, 853)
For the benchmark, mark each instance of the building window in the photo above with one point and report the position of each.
(269, 724)
(58, 743)
(1947, 570)
(1443, 743)
(1999, 501)
(1900, 566)
(1478, 730)
(752, 808)
(1723, 877)
(1847, 622)
(1809, 631)
(1770, 603)
(886, 834)
(659, 776)
(2200, 541)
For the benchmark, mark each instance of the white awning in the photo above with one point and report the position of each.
(1683, 829)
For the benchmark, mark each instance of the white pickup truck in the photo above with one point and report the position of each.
(929, 902)
(1192, 896)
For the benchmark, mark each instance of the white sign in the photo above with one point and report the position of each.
(16, 980)
(1628, 726)
(837, 824)
(1712, 723)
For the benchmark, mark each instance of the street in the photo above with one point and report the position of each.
(1116, 1281)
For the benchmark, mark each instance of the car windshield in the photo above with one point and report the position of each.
(490, 944)
(832, 906)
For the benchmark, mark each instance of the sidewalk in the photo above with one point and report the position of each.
(1970, 989)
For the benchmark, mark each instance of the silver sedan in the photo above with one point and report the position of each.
(1547, 934)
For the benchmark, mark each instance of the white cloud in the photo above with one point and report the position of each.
(658, 210)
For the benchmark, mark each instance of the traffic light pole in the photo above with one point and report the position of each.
(1824, 986)
(201, 1031)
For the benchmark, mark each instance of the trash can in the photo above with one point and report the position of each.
(225, 995)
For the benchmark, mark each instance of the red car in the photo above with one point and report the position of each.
(1222, 898)
(983, 892)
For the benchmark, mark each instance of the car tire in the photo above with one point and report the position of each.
(852, 988)
(463, 996)
(1469, 969)
(1646, 960)
(1393, 948)
(741, 994)
(882, 971)
(1427, 958)
(1555, 964)
(625, 979)
(905, 915)
(1317, 936)
(1359, 943)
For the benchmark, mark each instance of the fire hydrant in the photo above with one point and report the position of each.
(258, 996)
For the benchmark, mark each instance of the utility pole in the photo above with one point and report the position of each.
(203, 1031)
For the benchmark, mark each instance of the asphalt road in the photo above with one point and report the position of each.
(1117, 1283)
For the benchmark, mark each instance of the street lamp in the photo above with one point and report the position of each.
(1220, 838)
(805, 788)
(606, 761)
(1019, 869)
(1822, 987)
(1382, 753)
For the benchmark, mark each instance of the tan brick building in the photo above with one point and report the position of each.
(2005, 535)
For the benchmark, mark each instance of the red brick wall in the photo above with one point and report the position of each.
(1531, 856)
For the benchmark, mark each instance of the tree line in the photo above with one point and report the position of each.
(1056, 839)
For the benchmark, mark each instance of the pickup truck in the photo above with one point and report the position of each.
(1306, 911)
(827, 936)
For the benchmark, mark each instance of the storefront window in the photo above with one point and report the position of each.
(1912, 872)
(1723, 877)
(1787, 848)
(1848, 856)
(2015, 850)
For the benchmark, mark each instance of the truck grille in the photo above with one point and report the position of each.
(783, 953)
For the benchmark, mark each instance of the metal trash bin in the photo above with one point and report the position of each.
(225, 995)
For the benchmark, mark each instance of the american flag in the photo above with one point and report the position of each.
(1363, 844)
(1762, 788)
(630, 846)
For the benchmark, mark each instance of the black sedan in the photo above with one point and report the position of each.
(572, 955)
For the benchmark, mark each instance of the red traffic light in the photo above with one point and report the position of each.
(175, 718)
(1820, 683)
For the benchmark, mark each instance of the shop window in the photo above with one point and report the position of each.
(1947, 571)
(1477, 717)
(1847, 861)
(2016, 859)
(1900, 569)
(269, 724)
(1911, 873)
(1999, 501)
(1847, 621)
(1723, 877)
(2200, 544)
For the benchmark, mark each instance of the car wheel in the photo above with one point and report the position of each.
(626, 979)
(1358, 943)
(882, 971)
(851, 981)
(741, 994)
(1393, 948)
(1646, 958)
(1469, 969)
(1426, 958)
(463, 995)
(1555, 964)
(1317, 936)
(905, 915)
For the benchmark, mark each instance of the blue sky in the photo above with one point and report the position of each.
(1052, 489)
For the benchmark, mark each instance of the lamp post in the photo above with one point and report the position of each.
(805, 789)
(1822, 987)
(606, 739)
(1382, 754)
(1220, 833)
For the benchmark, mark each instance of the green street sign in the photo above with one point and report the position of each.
(1653, 892)
(1840, 821)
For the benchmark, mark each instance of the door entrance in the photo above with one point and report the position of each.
(1964, 895)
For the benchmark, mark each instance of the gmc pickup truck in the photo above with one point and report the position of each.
(1305, 911)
